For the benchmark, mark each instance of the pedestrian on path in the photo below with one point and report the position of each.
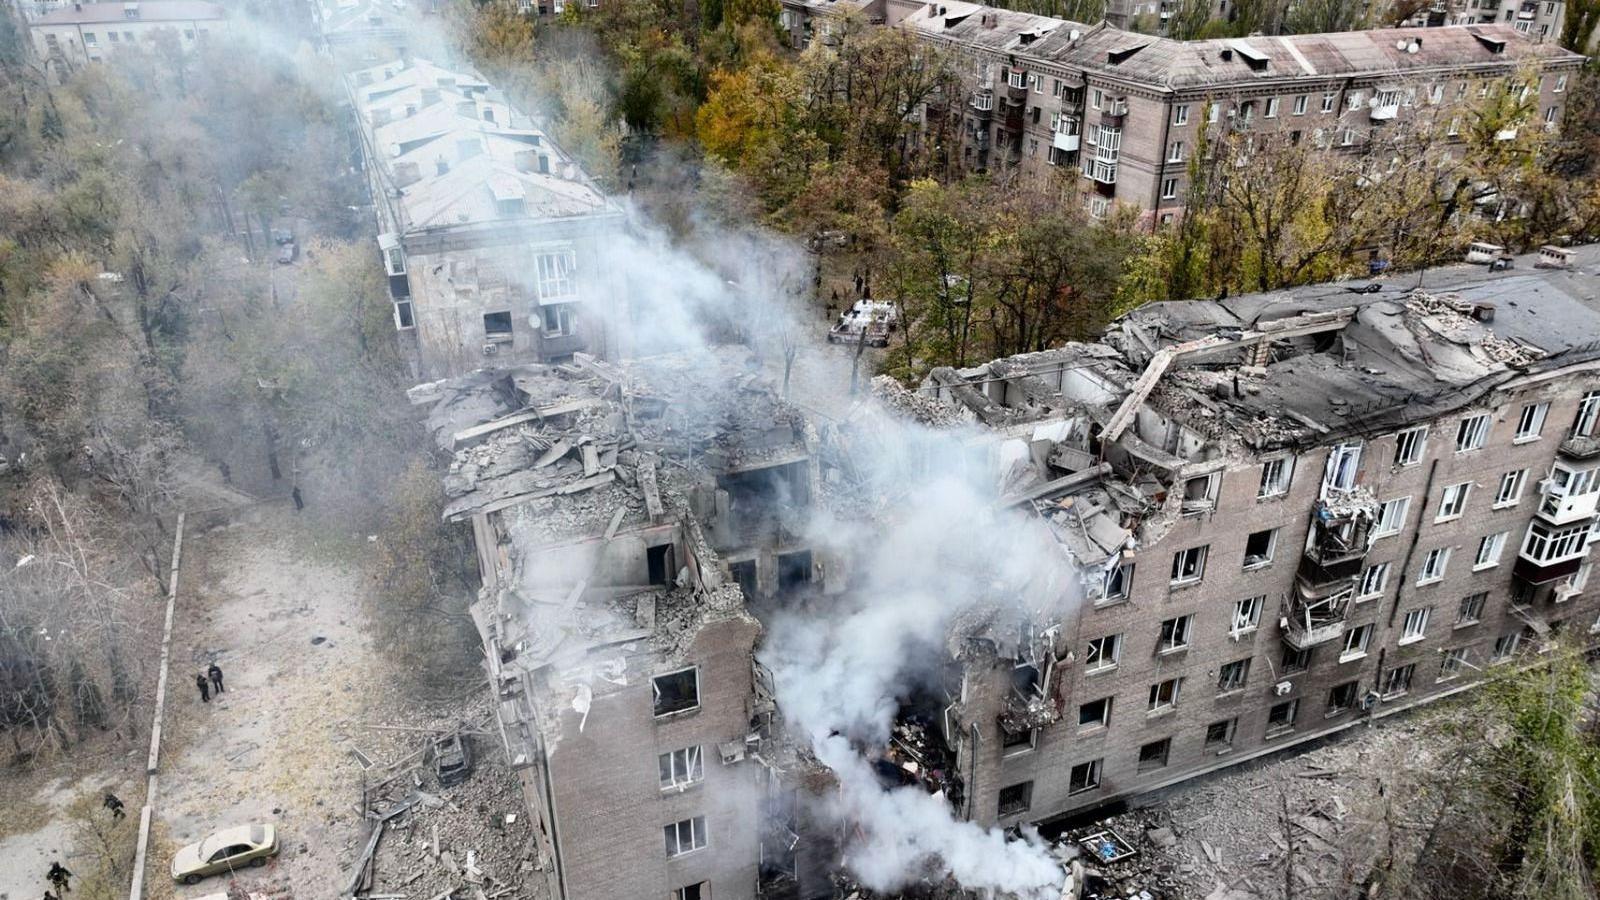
(299, 502)
(58, 876)
(114, 803)
(215, 674)
(205, 688)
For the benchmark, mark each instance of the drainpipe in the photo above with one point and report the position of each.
(972, 773)
(1161, 165)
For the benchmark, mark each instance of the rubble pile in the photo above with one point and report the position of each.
(1313, 821)
(469, 840)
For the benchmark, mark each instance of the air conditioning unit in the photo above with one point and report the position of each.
(491, 349)
(1370, 699)
(1282, 688)
(732, 752)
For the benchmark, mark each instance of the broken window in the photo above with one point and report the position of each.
(1219, 735)
(1416, 625)
(685, 836)
(1154, 754)
(676, 691)
(1409, 445)
(555, 275)
(1095, 713)
(1398, 680)
(794, 570)
(1189, 565)
(1373, 581)
(1174, 634)
(1510, 491)
(559, 320)
(659, 561)
(744, 572)
(700, 891)
(1016, 741)
(497, 325)
(1200, 493)
(1084, 777)
(1588, 415)
(1103, 653)
(1433, 565)
(1246, 615)
(1454, 660)
(1343, 697)
(1275, 476)
(1258, 548)
(680, 768)
(1355, 643)
(1531, 421)
(1343, 462)
(1164, 694)
(1119, 581)
(1470, 610)
(1506, 646)
(1281, 717)
(1296, 660)
(1015, 799)
(1025, 681)
(1453, 501)
(1472, 432)
(1489, 550)
(1391, 516)
(1231, 677)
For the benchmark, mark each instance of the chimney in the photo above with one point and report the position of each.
(406, 173)
(1483, 312)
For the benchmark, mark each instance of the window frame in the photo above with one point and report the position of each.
(1285, 723)
(694, 768)
(1157, 704)
(1252, 605)
(1509, 491)
(1177, 633)
(1453, 501)
(1148, 760)
(1364, 591)
(1493, 546)
(1090, 781)
(1100, 652)
(1472, 432)
(1106, 703)
(699, 836)
(1414, 627)
(1403, 504)
(656, 692)
(1359, 636)
(1427, 573)
(1282, 470)
(1181, 561)
(1233, 675)
(1530, 422)
(1469, 609)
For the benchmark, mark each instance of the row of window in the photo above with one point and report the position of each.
(116, 37)
(1219, 736)
(1354, 100)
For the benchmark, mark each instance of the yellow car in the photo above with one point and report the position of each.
(225, 851)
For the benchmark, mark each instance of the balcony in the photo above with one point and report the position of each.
(1114, 114)
(1580, 447)
(1102, 171)
(982, 104)
(1385, 112)
(1016, 93)
(1561, 508)
(1066, 142)
(1311, 620)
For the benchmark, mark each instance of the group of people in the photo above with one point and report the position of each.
(209, 683)
(59, 876)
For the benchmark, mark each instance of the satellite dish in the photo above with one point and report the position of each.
(1413, 48)
(1400, 44)
(1074, 34)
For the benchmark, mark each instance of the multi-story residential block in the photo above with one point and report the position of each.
(69, 37)
(1122, 112)
(1292, 512)
(360, 34)
(614, 613)
(493, 239)
(1540, 20)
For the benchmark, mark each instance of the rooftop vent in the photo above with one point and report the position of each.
(1493, 45)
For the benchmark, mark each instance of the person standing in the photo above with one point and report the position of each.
(58, 876)
(114, 803)
(205, 688)
(215, 674)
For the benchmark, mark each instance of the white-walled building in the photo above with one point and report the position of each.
(75, 35)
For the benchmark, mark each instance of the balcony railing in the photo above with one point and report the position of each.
(1066, 142)
(1302, 635)
(1561, 509)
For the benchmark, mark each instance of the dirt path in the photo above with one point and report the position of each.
(287, 628)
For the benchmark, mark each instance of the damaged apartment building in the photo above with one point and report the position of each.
(629, 519)
(493, 239)
(1291, 513)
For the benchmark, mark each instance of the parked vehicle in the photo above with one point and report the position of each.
(225, 851)
(452, 759)
(287, 253)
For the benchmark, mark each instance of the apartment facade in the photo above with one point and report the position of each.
(1344, 560)
(72, 36)
(494, 241)
(1120, 113)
